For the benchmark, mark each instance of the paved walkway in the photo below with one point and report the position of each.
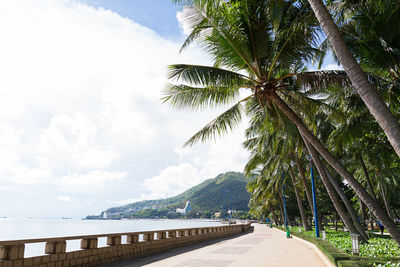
(263, 247)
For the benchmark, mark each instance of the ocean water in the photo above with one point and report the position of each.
(14, 229)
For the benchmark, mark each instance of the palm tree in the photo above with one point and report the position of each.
(272, 150)
(333, 193)
(365, 89)
(357, 136)
(304, 181)
(268, 40)
(373, 206)
(306, 226)
(347, 203)
(265, 196)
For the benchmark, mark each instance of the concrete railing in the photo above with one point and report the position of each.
(137, 244)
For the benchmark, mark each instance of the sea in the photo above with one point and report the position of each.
(15, 229)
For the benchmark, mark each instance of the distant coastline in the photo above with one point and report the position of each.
(217, 198)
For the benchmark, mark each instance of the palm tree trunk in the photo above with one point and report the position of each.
(336, 221)
(362, 210)
(333, 195)
(372, 205)
(299, 204)
(371, 188)
(385, 199)
(273, 215)
(348, 205)
(367, 92)
(303, 179)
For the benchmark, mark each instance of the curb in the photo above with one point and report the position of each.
(324, 258)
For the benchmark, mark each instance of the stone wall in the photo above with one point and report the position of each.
(138, 244)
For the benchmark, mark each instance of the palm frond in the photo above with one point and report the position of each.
(207, 76)
(195, 20)
(316, 82)
(183, 96)
(219, 126)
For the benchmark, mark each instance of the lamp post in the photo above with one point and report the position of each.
(354, 244)
(284, 198)
(230, 207)
(314, 201)
(223, 210)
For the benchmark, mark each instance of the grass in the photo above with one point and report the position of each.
(379, 251)
(377, 246)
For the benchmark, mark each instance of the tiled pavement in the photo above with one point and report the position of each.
(263, 247)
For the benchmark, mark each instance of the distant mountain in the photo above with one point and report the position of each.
(206, 198)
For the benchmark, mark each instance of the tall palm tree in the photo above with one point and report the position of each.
(270, 41)
(347, 203)
(333, 193)
(273, 150)
(300, 168)
(264, 190)
(371, 203)
(365, 89)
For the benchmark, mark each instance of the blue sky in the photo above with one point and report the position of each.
(159, 15)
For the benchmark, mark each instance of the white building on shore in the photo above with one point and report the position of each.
(186, 209)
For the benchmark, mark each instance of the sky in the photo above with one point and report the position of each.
(82, 126)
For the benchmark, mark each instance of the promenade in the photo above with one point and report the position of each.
(263, 247)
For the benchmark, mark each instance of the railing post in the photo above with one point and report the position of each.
(14, 252)
(89, 243)
(171, 234)
(148, 236)
(113, 240)
(57, 247)
(161, 235)
(181, 233)
(132, 239)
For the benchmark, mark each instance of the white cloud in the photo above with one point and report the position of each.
(183, 151)
(92, 181)
(142, 197)
(64, 198)
(226, 154)
(73, 139)
(173, 180)
(80, 109)
(11, 152)
(328, 67)
(332, 67)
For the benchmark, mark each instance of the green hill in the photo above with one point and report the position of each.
(206, 199)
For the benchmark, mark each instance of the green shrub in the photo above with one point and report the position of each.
(379, 251)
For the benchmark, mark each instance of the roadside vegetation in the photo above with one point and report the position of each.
(340, 127)
(377, 245)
